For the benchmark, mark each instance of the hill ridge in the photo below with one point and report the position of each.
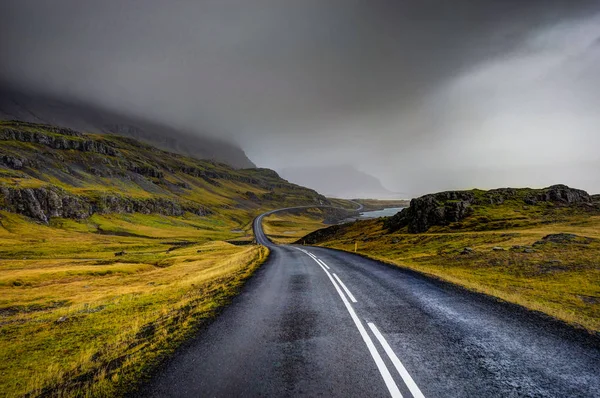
(48, 171)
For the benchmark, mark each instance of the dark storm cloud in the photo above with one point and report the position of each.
(427, 95)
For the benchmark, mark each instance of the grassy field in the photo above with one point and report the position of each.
(77, 319)
(506, 256)
(288, 227)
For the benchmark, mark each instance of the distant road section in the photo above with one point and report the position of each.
(319, 322)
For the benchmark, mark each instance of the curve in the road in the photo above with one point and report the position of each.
(320, 322)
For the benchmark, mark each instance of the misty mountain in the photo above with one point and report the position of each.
(43, 167)
(85, 117)
(341, 181)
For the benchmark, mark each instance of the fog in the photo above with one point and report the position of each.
(424, 95)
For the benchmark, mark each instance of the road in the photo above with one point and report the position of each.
(319, 322)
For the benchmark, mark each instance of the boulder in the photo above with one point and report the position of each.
(436, 209)
(467, 250)
(13, 162)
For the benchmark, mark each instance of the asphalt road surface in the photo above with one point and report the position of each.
(319, 322)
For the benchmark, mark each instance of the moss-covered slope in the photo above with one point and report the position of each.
(48, 171)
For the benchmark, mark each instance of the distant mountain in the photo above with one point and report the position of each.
(85, 117)
(341, 181)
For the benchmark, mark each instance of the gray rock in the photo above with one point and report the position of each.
(436, 209)
(50, 201)
(498, 249)
(467, 250)
(13, 162)
(59, 142)
(444, 208)
(559, 194)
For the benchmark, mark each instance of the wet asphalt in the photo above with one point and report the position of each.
(347, 326)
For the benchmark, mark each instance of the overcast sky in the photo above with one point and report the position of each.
(427, 95)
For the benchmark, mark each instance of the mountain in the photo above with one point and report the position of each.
(52, 172)
(341, 181)
(35, 108)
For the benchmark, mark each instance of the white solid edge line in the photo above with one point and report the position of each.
(383, 370)
(322, 263)
(408, 380)
(345, 288)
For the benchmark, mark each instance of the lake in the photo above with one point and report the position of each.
(365, 215)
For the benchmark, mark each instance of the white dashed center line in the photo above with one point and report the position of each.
(381, 366)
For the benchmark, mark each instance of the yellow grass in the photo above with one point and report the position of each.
(285, 227)
(77, 320)
(561, 280)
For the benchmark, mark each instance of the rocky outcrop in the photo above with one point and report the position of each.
(59, 141)
(563, 238)
(436, 209)
(207, 175)
(211, 177)
(46, 202)
(444, 208)
(559, 193)
(13, 162)
(145, 170)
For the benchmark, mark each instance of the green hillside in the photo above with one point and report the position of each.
(114, 252)
(48, 172)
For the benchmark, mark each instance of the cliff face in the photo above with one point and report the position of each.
(61, 141)
(45, 203)
(443, 208)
